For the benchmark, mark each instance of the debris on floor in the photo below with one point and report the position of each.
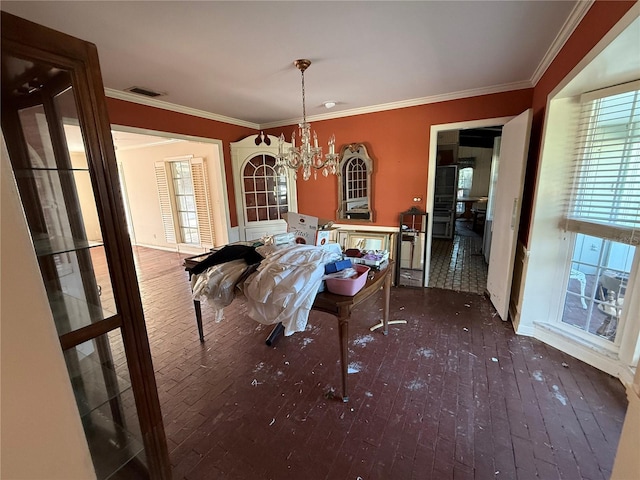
(354, 367)
(565, 364)
(329, 393)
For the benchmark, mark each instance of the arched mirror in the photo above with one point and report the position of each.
(355, 184)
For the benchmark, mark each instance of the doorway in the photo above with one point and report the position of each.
(156, 216)
(509, 184)
(466, 166)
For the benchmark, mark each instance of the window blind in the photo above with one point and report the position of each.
(604, 198)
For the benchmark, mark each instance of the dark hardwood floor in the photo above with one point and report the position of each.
(453, 394)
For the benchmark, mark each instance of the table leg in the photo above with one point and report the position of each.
(387, 301)
(343, 327)
(385, 322)
(196, 305)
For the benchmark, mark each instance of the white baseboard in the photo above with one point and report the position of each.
(182, 248)
(165, 248)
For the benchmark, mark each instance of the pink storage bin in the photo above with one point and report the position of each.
(349, 286)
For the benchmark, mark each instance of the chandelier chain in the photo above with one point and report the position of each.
(304, 108)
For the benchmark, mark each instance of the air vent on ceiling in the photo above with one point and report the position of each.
(147, 92)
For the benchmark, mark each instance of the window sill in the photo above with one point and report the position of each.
(595, 355)
(569, 334)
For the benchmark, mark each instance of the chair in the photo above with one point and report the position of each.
(578, 275)
(479, 216)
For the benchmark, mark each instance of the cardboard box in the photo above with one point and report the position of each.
(307, 229)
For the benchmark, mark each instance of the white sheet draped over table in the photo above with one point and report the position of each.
(285, 285)
(216, 285)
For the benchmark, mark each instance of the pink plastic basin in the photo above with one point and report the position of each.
(349, 286)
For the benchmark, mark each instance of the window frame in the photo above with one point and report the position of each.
(278, 182)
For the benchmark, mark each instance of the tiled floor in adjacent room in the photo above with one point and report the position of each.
(458, 264)
(453, 394)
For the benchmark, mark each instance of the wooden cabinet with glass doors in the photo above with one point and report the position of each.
(57, 133)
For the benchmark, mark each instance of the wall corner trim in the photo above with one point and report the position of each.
(575, 17)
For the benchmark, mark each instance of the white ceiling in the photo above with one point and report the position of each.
(234, 58)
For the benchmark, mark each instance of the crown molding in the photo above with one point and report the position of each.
(476, 92)
(151, 102)
(575, 17)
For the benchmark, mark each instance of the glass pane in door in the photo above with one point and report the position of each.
(100, 378)
(57, 192)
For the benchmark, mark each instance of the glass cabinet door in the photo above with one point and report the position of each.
(57, 135)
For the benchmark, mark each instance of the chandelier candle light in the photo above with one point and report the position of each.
(306, 155)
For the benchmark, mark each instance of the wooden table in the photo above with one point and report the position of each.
(189, 263)
(341, 307)
(468, 203)
(338, 305)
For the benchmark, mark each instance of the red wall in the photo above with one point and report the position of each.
(398, 143)
(141, 116)
(397, 140)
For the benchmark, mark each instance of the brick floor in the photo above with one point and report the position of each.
(454, 394)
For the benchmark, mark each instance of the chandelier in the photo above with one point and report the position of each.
(305, 155)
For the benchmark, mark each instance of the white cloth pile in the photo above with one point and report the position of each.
(285, 285)
(216, 285)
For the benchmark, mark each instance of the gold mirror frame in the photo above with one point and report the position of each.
(357, 208)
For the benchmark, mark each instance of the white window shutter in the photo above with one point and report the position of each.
(203, 201)
(164, 195)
